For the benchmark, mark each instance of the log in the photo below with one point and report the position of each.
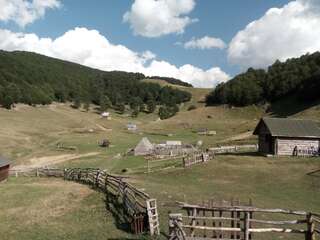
(279, 230)
(227, 229)
(212, 218)
(293, 222)
(243, 209)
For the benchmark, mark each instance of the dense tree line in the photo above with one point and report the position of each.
(35, 79)
(173, 81)
(294, 76)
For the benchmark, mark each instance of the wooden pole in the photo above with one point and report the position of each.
(310, 235)
(246, 226)
(194, 214)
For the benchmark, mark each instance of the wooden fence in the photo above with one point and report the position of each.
(37, 172)
(233, 149)
(196, 158)
(237, 222)
(128, 204)
(182, 161)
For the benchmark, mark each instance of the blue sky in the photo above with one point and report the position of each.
(216, 19)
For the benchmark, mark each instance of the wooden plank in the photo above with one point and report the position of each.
(293, 222)
(279, 230)
(213, 228)
(212, 218)
(244, 209)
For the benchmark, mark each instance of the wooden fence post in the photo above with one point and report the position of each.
(194, 221)
(246, 226)
(310, 235)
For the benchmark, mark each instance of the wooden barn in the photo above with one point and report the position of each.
(288, 137)
(4, 169)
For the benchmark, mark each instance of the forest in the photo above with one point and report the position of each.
(296, 76)
(33, 79)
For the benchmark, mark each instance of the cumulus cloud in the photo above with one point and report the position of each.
(281, 33)
(205, 43)
(24, 12)
(90, 48)
(154, 18)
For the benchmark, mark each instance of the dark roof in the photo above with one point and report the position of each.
(4, 162)
(286, 127)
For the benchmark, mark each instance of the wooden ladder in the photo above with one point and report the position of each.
(153, 217)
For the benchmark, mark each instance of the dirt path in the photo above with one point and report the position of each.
(38, 162)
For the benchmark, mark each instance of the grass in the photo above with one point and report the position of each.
(52, 209)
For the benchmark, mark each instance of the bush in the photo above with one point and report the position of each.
(192, 107)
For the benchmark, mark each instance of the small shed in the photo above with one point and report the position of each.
(144, 147)
(105, 115)
(288, 137)
(132, 127)
(4, 169)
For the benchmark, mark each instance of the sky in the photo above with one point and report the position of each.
(202, 42)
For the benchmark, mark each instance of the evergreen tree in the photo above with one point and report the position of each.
(121, 108)
(7, 101)
(77, 102)
(151, 106)
(105, 103)
(86, 106)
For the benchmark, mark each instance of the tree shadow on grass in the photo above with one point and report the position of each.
(116, 208)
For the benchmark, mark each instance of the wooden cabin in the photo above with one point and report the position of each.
(288, 137)
(4, 169)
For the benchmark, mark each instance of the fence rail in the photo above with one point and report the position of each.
(127, 203)
(237, 222)
(235, 148)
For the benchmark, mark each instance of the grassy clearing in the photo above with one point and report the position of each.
(53, 209)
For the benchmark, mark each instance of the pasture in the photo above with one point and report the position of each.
(33, 208)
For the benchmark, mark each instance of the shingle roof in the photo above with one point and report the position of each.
(4, 162)
(286, 127)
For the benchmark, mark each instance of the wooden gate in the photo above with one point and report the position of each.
(237, 222)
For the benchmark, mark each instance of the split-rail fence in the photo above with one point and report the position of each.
(127, 203)
(237, 222)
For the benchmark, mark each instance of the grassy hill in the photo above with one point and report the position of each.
(33, 79)
(29, 135)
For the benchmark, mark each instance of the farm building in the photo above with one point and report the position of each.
(288, 137)
(144, 147)
(4, 169)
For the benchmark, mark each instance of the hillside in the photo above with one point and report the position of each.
(295, 79)
(36, 79)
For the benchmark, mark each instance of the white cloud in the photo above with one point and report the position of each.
(205, 43)
(154, 18)
(90, 48)
(281, 33)
(24, 12)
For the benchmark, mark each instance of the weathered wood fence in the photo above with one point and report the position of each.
(237, 222)
(233, 149)
(128, 204)
(182, 161)
(37, 172)
(196, 158)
